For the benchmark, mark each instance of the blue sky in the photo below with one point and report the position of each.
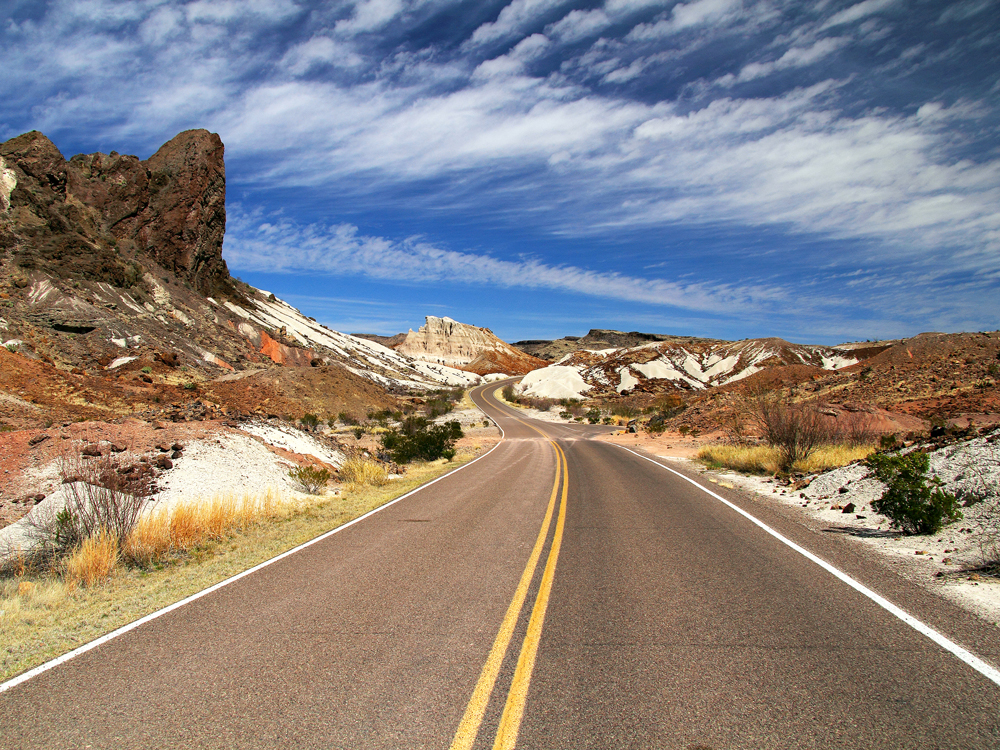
(822, 171)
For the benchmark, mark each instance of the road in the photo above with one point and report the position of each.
(559, 592)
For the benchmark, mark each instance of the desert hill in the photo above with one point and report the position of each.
(904, 384)
(466, 347)
(595, 340)
(115, 300)
(682, 364)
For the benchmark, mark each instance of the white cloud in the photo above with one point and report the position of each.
(254, 243)
(962, 11)
(579, 24)
(857, 12)
(513, 18)
(622, 75)
(370, 15)
(688, 15)
(515, 61)
(796, 57)
(320, 50)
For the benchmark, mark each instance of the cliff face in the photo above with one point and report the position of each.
(478, 350)
(98, 216)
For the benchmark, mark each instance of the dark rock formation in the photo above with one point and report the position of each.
(99, 216)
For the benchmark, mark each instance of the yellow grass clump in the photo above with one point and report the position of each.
(764, 459)
(361, 472)
(93, 561)
(186, 525)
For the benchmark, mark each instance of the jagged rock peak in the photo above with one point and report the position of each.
(98, 216)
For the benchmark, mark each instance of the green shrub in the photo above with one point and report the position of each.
(417, 438)
(907, 501)
(309, 479)
(309, 421)
(147, 369)
(594, 415)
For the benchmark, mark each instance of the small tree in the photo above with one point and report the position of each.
(907, 501)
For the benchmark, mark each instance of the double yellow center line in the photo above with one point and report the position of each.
(517, 696)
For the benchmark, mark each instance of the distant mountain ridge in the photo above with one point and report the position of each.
(596, 339)
(678, 364)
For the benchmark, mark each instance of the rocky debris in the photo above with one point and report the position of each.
(92, 451)
(37, 439)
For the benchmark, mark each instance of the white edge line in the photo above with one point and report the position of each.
(968, 657)
(24, 677)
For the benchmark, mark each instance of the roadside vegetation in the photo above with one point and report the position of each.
(79, 586)
(767, 459)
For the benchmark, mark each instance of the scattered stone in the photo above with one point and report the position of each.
(38, 498)
(92, 451)
(115, 448)
(849, 508)
(162, 462)
(843, 490)
(162, 447)
(177, 447)
(37, 439)
(920, 552)
(176, 454)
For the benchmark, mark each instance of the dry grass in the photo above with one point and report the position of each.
(93, 561)
(764, 459)
(42, 617)
(182, 527)
(363, 472)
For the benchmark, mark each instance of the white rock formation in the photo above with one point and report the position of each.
(446, 341)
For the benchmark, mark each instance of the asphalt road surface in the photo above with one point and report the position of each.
(559, 592)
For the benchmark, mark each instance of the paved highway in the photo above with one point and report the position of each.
(558, 593)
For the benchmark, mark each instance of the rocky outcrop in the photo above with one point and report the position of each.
(100, 216)
(468, 347)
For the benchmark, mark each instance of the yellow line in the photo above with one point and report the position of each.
(513, 712)
(468, 728)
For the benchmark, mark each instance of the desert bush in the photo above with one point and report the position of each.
(348, 419)
(594, 415)
(796, 430)
(309, 421)
(417, 438)
(359, 471)
(629, 411)
(908, 502)
(888, 442)
(104, 493)
(858, 429)
(309, 479)
(508, 393)
(94, 560)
